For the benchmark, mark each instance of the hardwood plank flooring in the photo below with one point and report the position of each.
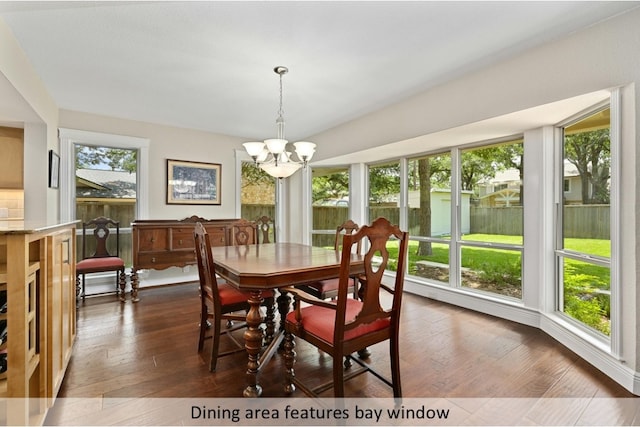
(149, 349)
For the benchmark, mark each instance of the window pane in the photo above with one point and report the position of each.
(106, 186)
(384, 192)
(430, 196)
(585, 222)
(257, 195)
(491, 182)
(586, 294)
(587, 169)
(434, 266)
(491, 213)
(429, 181)
(497, 271)
(330, 194)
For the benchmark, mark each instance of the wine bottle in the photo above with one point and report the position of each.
(3, 361)
(3, 331)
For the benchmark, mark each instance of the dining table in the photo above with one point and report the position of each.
(271, 266)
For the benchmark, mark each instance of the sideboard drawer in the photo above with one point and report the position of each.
(166, 259)
(182, 238)
(153, 239)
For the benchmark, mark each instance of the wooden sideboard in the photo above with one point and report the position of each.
(160, 244)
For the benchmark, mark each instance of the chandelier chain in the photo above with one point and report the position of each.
(280, 119)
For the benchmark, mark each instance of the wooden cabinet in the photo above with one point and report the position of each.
(37, 269)
(160, 244)
(12, 159)
(61, 306)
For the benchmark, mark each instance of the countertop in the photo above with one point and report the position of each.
(30, 227)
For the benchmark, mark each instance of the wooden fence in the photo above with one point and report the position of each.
(581, 221)
(587, 221)
(496, 220)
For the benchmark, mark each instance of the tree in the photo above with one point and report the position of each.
(478, 165)
(384, 181)
(590, 152)
(88, 157)
(332, 186)
(431, 171)
(253, 175)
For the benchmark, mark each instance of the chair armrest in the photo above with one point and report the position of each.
(301, 295)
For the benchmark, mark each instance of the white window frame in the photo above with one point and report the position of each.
(458, 243)
(612, 343)
(70, 137)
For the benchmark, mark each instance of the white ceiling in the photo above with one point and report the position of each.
(208, 65)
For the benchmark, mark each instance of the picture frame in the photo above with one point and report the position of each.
(54, 169)
(193, 183)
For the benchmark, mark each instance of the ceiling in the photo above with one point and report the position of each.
(209, 65)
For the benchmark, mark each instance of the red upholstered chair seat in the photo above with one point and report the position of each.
(321, 322)
(230, 295)
(94, 265)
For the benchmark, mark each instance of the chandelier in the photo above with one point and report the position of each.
(272, 155)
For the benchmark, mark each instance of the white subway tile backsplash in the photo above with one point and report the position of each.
(11, 204)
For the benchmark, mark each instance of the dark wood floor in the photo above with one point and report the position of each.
(149, 349)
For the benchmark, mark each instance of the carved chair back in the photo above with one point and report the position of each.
(266, 226)
(100, 228)
(242, 232)
(206, 268)
(376, 262)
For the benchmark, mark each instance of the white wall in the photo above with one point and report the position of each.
(26, 103)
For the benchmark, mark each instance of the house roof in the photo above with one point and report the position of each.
(94, 183)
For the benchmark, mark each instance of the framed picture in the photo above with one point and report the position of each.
(54, 169)
(193, 183)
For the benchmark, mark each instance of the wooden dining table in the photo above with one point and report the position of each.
(255, 268)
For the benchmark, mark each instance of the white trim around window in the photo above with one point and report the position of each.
(70, 137)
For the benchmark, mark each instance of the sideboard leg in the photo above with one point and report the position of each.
(134, 285)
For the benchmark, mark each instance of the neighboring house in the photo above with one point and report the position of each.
(504, 189)
(572, 185)
(105, 184)
(106, 193)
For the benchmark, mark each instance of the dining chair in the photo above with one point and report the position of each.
(266, 226)
(326, 289)
(345, 325)
(242, 232)
(221, 301)
(100, 260)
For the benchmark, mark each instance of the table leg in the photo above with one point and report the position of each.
(253, 344)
